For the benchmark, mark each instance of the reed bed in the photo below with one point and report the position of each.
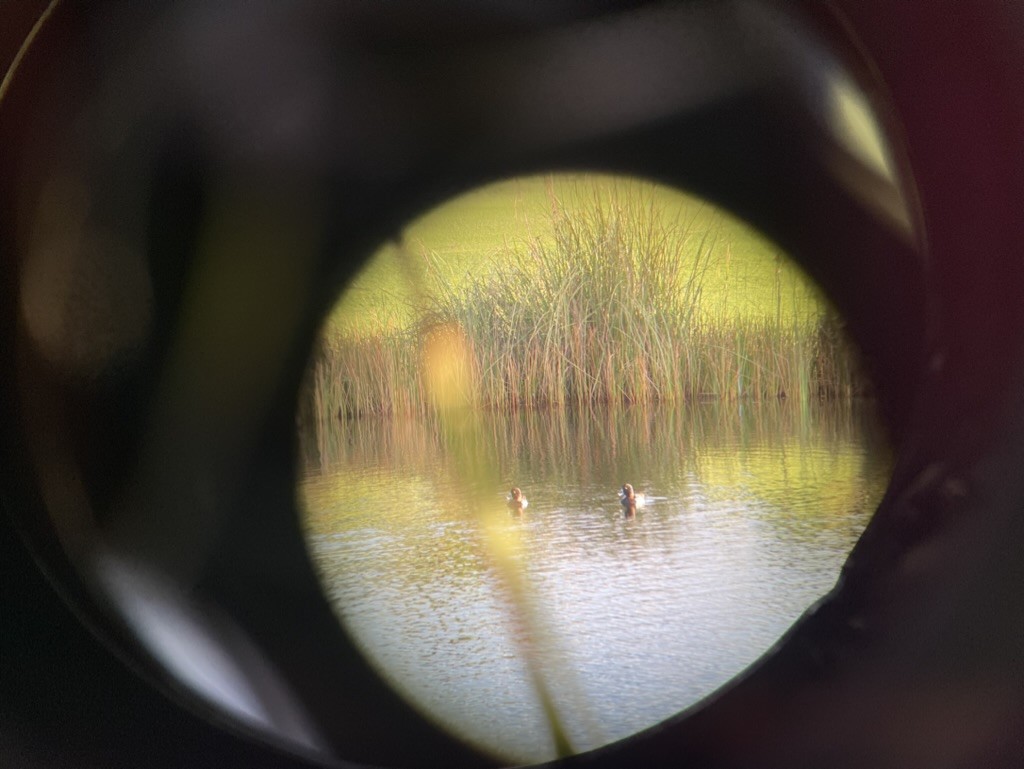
(607, 309)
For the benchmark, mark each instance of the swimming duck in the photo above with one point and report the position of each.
(629, 498)
(516, 500)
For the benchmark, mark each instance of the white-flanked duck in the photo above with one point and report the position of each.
(516, 500)
(630, 499)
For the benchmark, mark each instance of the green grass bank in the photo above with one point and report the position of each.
(582, 292)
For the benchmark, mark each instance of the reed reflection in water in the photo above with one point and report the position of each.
(754, 511)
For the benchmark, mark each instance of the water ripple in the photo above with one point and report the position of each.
(641, 617)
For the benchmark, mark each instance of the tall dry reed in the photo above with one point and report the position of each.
(607, 308)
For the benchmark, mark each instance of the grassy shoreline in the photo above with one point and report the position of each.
(608, 306)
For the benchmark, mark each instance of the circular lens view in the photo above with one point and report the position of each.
(576, 450)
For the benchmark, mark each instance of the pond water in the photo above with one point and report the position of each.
(752, 513)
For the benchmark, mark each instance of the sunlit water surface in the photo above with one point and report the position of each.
(753, 515)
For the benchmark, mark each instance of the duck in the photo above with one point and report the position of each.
(630, 499)
(516, 500)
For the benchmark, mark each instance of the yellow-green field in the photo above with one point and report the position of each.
(577, 290)
(748, 277)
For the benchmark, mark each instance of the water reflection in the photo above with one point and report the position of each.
(750, 515)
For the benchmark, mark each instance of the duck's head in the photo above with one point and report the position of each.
(516, 494)
(627, 491)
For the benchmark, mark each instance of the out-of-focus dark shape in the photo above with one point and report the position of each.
(184, 186)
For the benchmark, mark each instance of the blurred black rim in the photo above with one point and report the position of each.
(939, 327)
